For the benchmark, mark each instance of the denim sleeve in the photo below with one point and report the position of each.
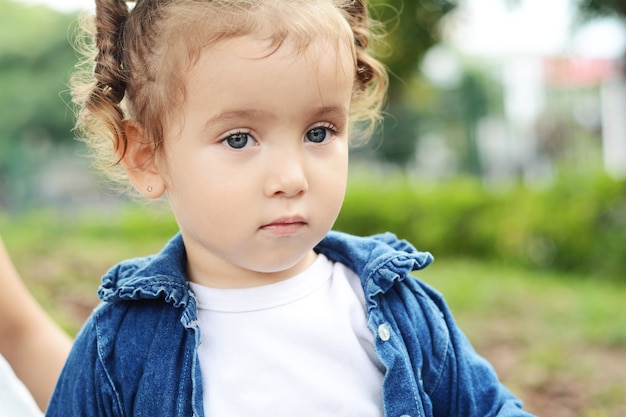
(83, 388)
(464, 383)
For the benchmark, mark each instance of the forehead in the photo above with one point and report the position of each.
(249, 72)
(259, 51)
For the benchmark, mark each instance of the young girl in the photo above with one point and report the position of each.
(239, 112)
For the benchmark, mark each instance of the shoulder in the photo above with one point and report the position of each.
(128, 327)
(393, 294)
(84, 386)
(383, 242)
(418, 309)
(110, 356)
(156, 277)
(381, 259)
(119, 330)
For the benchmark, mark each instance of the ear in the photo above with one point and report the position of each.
(139, 162)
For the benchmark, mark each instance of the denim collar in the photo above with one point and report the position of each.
(158, 276)
(379, 260)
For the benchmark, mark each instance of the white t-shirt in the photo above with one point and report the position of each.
(15, 399)
(299, 347)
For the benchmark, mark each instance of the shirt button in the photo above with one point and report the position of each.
(383, 332)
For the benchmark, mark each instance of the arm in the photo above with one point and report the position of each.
(85, 386)
(472, 381)
(31, 342)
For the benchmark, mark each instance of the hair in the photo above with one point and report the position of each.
(135, 60)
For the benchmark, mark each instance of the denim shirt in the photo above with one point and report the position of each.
(137, 353)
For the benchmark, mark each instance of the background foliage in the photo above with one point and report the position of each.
(410, 28)
(575, 225)
(594, 8)
(579, 225)
(36, 59)
(535, 276)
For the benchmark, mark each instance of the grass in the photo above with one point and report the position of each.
(568, 307)
(558, 341)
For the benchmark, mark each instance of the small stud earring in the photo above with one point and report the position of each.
(149, 188)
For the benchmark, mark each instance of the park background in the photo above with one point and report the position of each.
(503, 152)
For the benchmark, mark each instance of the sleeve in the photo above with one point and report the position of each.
(84, 387)
(461, 382)
(15, 399)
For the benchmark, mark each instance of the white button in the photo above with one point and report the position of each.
(405, 415)
(383, 332)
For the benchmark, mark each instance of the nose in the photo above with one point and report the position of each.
(287, 176)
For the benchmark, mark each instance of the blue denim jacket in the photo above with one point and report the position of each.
(137, 353)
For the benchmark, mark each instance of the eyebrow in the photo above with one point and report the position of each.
(324, 111)
(334, 111)
(237, 115)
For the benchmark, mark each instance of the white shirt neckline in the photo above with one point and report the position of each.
(240, 300)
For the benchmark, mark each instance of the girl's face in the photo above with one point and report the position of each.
(256, 171)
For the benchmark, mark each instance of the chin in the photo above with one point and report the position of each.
(288, 265)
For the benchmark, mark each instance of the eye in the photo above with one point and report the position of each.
(319, 134)
(238, 140)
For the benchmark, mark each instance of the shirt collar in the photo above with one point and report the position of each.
(379, 261)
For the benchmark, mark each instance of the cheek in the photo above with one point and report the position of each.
(336, 176)
(210, 202)
(341, 162)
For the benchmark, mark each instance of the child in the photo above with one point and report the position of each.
(239, 112)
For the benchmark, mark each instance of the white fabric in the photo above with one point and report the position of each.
(15, 399)
(299, 347)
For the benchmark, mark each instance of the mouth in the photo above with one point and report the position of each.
(285, 225)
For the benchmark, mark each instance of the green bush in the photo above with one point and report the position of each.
(577, 225)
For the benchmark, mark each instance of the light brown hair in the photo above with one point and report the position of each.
(135, 59)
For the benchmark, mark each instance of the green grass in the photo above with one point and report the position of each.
(558, 341)
(563, 306)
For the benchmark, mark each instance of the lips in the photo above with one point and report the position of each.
(285, 225)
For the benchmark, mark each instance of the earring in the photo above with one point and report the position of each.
(149, 188)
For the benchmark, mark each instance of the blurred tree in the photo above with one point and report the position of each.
(35, 62)
(411, 28)
(595, 8)
(471, 102)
